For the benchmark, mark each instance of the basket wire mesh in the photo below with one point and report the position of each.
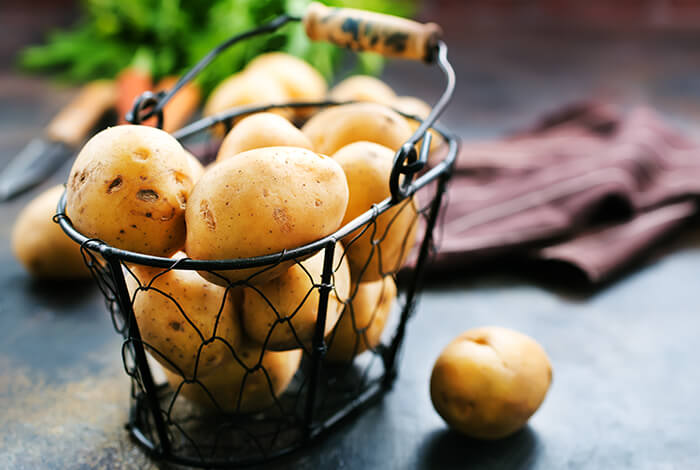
(270, 402)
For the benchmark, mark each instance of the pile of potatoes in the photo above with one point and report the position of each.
(234, 339)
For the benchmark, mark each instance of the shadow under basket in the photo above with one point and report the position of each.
(234, 402)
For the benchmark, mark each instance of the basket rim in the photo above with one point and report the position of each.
(108, 251)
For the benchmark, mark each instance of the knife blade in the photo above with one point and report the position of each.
(44, 155)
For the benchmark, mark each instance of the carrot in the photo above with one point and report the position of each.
(131, 82)
(182, 105)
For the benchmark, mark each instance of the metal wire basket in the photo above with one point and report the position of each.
(235, 403)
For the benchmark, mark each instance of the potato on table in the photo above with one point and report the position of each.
(129, 186)
(235, 388)
(362, 322)
(294, 297)
(489, 381)
(261, 130)
(177, 312)
(261, 202)
(337, 126)
(382, 248)
(41, 245)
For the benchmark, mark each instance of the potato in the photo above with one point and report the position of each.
(41, 245)
(362, 322)
(417, 107)
(363, 88)
(128, 187)
(234, 389)
(245, 89)
(262, 130)
(165, 327)
(338, 126)
(292, 295)
(300, 80)
(489, 381)
(196, 167)
(381, 250)
(262, 202)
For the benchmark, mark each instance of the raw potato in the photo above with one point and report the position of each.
(225, 385)
(363, 88)
(299, 79)
(165, 328)
(293, 296)
(129, 186)
(381, 250)
(196, 169)
(417, 107)
(41, 245)
(245, 89)
(261, 130)
(489, 381)
(262, 202)
(338, 126)
(362, 322)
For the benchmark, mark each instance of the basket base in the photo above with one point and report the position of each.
(301, 438)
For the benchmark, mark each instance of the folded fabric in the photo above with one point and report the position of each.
(588, 186)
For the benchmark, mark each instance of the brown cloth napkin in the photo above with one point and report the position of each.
(588, 186)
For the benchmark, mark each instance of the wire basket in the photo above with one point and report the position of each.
(231, 401)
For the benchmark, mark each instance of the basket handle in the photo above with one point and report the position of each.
(362, 30)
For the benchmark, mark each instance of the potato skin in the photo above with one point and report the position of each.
(41, 246)
(363, 88)
(262, 202)
(261, 130)
(335, 127)
(196, 167)
(292, 294)
(362, 322)
(300, 80)
(164, 327)
(367, 167)
(245, 89)
(489, 381)
(225, 385)
(128, 187)
(417, 107)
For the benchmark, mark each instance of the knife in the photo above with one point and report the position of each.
(44, 155)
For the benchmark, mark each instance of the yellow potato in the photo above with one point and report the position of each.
(489, 381)
(338, 126)
(236, 390)
(363, 88)
(362, 322)
(381, 249)
(262, 202)
(245, 89)
(165, 328)
(300, 80)
(292, 295)
(128, 187)
(41, 245)
(417, 107)
(261, 130)
(196, 167)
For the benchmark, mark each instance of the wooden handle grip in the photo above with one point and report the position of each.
(362, 30)
(72, 125)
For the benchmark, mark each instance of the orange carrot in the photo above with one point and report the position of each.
(182, 106)
(131, 82)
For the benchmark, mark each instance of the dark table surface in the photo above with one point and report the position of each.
(626, 379)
